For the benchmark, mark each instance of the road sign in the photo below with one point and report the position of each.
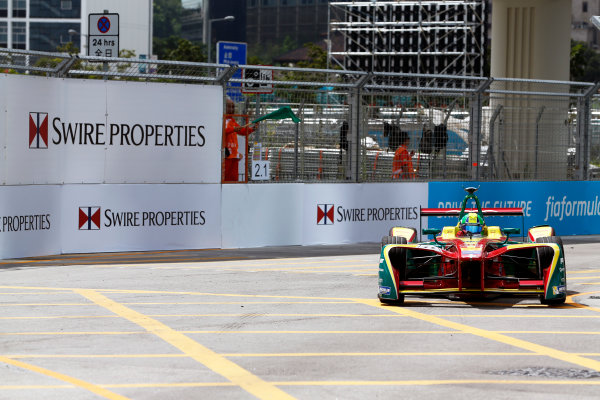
(259, 75)
(232, 53)
(103, 35)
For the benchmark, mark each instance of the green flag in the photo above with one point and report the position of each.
(283, 113)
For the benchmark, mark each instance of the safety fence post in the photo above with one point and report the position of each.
(584, 115)
(475, 128)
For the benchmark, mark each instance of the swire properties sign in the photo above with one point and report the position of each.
(87, 131)
(113, 134)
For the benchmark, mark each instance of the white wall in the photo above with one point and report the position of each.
(287, 214)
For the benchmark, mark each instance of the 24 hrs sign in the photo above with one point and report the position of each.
(103, 35)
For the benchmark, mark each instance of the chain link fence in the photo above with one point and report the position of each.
(460, 128)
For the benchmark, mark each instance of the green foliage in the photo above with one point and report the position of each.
(266, 53)
(584, 63)
(166, 18)
(317, 57)
(187, 51)
(163, 46)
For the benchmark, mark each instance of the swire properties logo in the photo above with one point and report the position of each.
(89, 218)
(38, 130)
(42, 131)
(325, 214)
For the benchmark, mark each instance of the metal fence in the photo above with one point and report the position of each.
(460, 128)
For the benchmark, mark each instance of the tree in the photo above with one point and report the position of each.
(187, 51)
(584, 63)
(166, 18)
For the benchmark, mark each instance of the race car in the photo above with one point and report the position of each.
(472, 260)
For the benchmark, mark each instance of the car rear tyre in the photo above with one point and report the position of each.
(392, 302)
(552, 302)
(545, 254)
(545, 258)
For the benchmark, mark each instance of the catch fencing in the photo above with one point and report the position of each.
(460, 128)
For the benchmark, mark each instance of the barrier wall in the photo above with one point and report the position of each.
(305, 214)
(53, 219)
(99, 166)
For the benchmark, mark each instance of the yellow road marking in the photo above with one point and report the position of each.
(572, 303)
(219, 364)
(495, 336)
(528, 383)
(581, 278)
(65, 378)
(229, 315)
(588, 271)
(275, 355)
(109, 333)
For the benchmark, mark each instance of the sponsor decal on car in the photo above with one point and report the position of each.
(384, 290)
(558, 289)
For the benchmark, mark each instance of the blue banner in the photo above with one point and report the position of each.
(233, 53)
(571, 208)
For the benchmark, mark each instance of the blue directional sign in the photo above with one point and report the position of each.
(233, 53)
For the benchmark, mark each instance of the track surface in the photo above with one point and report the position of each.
(281, 323)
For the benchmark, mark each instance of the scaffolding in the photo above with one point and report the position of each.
(419, 37)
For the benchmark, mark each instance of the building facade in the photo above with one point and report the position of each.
(270, 21)
(582, 29)
(46, 24)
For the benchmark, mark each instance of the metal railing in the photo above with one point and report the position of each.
(460, 128)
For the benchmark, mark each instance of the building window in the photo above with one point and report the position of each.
(19, 35)
(3, 8)
(19, 8)
(584, 6)
(3, 34)
(54, 8)
(47, 36)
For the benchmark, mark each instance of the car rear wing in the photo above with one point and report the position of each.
(487, 212)
(451, 212)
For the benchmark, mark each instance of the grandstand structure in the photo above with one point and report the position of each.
(418, 37)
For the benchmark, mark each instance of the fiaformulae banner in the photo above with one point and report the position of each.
(571, 208)
(57, 131)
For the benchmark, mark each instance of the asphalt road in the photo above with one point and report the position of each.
(278, 323)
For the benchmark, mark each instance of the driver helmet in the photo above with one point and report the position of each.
(471, 223)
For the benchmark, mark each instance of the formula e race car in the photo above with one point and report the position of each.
(472, 260)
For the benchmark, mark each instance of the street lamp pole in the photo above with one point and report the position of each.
(72, 32)
(209, 32)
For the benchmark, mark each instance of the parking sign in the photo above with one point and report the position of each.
(103, 35)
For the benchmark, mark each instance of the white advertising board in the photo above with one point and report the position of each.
(343, 213)
(92, 131)
(101, 218)
(262, 215)
(2, 129)
(29, 220)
